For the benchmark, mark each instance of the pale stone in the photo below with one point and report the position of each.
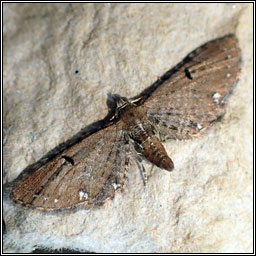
(60, 61)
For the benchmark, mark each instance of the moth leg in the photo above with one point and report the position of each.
(138, 157)
(161, 136)
(151, 171)
(142, 170)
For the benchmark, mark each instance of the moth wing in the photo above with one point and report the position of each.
(194, 96)
(87, 173)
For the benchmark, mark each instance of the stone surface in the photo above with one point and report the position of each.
(61, 60)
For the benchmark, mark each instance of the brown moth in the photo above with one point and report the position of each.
(182, 104)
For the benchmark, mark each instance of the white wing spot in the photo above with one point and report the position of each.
(199, 126)
(116, 186)
(216, 96)
(228, 75)
(83, 195)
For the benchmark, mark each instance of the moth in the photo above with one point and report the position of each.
(181, 104)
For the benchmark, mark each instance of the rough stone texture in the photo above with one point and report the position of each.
(205, 204)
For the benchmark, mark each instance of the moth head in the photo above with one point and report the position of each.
(116, 103)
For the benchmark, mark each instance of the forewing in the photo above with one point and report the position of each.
(195, 94)
(87, 173)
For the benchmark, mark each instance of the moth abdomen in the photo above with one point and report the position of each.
(154, 151)
(142, 132)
